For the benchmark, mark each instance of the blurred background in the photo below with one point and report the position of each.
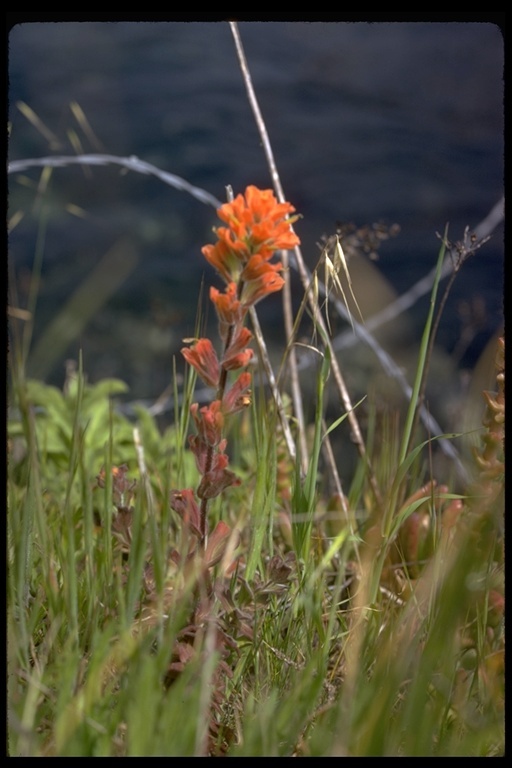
(394, 122)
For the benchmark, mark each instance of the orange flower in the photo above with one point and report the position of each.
(257, 223)
(236, 355)
(260, 278)
(227, 256)
(201, 451)
(184, 503)
(260, 219)
(217, 544)
(239, 396)
(202, 356)
(258, 266)
(233, 361)
(215, 480)
(209, 421)
(228, 307)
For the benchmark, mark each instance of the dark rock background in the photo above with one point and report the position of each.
(400, 122)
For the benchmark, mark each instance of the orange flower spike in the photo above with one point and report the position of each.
(256, 223)
(202, 356)
(258, 217)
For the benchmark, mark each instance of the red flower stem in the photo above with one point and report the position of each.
(204, 502)
(203, 520)
(209, 455)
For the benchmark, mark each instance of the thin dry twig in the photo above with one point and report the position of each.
(132, 163)
(287, 299)
(317, 316)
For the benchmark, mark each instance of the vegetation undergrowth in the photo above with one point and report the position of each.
(161, 603)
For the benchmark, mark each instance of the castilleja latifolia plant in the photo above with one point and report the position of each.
(257, 226)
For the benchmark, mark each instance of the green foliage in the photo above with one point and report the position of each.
(315, 669)
(55, 427)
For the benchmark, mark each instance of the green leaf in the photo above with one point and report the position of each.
(341, 419)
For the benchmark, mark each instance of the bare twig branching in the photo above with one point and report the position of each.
(482, 232)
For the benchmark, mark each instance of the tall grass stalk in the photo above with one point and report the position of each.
(405, 457)
(263, 504)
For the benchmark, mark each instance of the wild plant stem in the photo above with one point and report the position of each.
(423, 358)
(210, 452)
(204, 501)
